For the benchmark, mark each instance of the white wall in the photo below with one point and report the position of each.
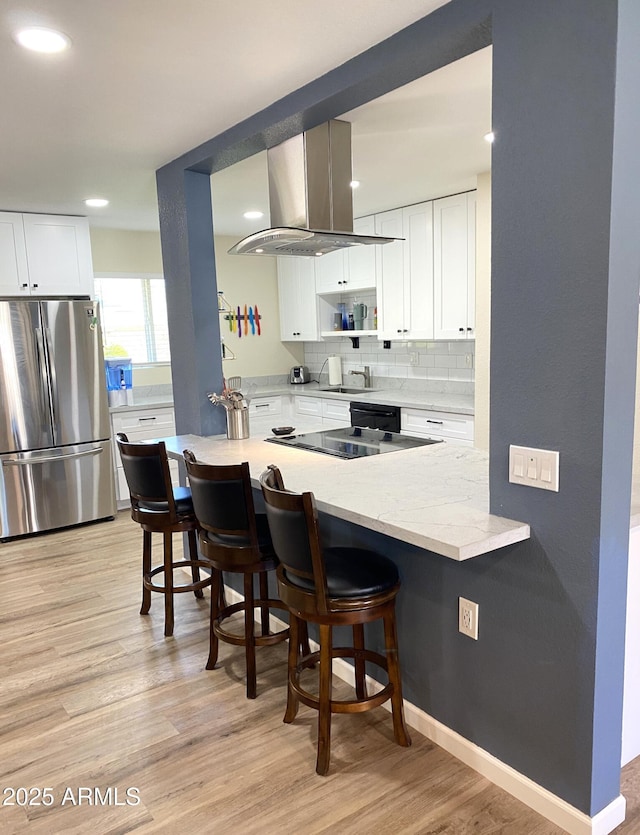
(253, 281)
(123, 251)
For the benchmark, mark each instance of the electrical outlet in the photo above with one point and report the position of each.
(468, 618)
(468, 360)
(413, 357)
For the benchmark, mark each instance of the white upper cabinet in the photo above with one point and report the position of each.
(45, 255)
(405, 273)
(362, 259)
(332, 272)
(350, 269)
(391, 284)
(454, 266)
(297, 298)
(417, 224)
(14, 276)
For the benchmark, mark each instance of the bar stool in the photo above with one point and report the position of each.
(234, 538)
(158, 507)
(331, 587)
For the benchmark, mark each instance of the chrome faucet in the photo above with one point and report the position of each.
(366, 374)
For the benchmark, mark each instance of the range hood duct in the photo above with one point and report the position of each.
(310, 196)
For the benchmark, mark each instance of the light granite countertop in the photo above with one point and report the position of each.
(435, 497)
(438, 402)
(435, 401)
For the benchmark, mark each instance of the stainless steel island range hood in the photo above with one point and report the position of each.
(310, 196)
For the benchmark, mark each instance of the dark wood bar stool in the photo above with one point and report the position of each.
(158, 507)
(332, 587)
(234, 538)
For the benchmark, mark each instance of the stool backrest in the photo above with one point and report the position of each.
(222, 498)
(146, 468)
(293, 523)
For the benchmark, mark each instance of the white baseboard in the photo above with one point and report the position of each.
(541, 800)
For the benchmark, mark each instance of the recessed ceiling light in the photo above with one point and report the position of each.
(96, 202)
(259, 250)
(489, 137)
(354, 183)
(253, 215)
(40, 39)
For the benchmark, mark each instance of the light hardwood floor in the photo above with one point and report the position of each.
(92, 695)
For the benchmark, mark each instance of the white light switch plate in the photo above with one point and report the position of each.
(534, 467)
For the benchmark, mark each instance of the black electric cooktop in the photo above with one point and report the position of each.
(351, 441)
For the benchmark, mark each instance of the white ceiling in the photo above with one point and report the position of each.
(147, 80)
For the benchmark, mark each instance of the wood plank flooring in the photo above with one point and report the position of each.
(93, 696)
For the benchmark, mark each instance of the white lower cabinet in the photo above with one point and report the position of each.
(335, 413)
(140, 425)
(451, 427)
(310, 406)
(265, 406)
(329, 412)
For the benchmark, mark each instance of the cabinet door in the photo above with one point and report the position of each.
(297, 299)
(390, 271)
(418, 270)
(452, 267)
(331, 272)
(14, 278)
(58, 255)
(361, 260)
(471, 264)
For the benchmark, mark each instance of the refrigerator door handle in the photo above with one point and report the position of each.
(27, 462)
(52, 377)
(42, 368)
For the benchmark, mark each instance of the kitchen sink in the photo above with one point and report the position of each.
(346, 390)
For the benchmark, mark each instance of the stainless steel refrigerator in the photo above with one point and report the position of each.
(55, 450)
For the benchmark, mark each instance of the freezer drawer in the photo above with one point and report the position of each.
(55, 488)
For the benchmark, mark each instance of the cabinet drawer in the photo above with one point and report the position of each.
(308, 406)
(336, 410)
(259, 406)
(437, 424)
(152, 423)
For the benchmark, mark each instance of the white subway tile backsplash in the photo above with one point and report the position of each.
(441, 366)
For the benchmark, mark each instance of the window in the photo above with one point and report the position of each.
(134, 316)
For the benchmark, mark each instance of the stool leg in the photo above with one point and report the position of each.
(146, 568)
(216, 583)
(295, 629)
(303, 638)
(249, 636)
(393, 667)
(168, 584)
(358, 645)
(324, 696)
(222, 600)
(195, 569)
(264, 609)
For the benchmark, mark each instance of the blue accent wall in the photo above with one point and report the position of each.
(542, 688)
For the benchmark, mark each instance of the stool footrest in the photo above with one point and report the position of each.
(180, 587)
(358, 705)
(239, 640)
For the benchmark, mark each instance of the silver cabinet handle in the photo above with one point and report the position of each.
(27, 462)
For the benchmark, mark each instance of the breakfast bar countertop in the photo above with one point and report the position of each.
(435, 497)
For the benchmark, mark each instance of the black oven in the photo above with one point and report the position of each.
(375, 416)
